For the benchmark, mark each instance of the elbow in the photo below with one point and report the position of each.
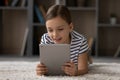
(82, 71)
(85, 71)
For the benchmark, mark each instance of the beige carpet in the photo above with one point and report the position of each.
(20, 70)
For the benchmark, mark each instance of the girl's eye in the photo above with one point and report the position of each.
(60, 29)
(50, 30)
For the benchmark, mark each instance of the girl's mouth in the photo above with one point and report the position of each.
(57, 39)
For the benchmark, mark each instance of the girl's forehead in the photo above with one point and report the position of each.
(55, 22)
(56, 19)
(59, 26)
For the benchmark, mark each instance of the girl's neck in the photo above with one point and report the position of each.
(69, 40)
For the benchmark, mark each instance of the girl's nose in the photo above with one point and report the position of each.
(55, 34)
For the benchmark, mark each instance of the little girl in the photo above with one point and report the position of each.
(60, 31)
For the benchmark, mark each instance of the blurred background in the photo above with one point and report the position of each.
(22, 23)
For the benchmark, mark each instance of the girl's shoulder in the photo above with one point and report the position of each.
(77, 36)
(45, 34)
(46, 39)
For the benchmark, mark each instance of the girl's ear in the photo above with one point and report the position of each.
(71, 26)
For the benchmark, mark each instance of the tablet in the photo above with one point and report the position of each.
(54, 56)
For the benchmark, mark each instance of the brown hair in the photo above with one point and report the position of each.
(59, 10)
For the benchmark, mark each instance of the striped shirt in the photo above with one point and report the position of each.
(78, 44)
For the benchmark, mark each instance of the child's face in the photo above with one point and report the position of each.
(59, 30)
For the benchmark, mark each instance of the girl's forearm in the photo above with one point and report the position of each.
(81, 72)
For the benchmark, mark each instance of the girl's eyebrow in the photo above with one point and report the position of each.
(60, 26)
(57, 26)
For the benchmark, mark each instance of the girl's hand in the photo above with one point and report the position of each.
(70, 68)
(41, 69)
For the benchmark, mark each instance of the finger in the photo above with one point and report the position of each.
(69, 65)
(41, 65)
(41, 72)
(70, 61)
(41, 69)
(66, 68)
(69, 70)
(66, 71)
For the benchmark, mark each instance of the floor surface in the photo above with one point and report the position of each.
(36, 58)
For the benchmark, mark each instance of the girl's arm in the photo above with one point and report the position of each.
(74, 70)
(82, 67)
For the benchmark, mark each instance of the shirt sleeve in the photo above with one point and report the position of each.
(42, 39)
(84, 46)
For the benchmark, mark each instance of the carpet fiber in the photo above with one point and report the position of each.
(20, 70)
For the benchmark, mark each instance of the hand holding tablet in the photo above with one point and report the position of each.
(54, 56)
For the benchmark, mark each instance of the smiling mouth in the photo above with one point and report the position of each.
(57, 40)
